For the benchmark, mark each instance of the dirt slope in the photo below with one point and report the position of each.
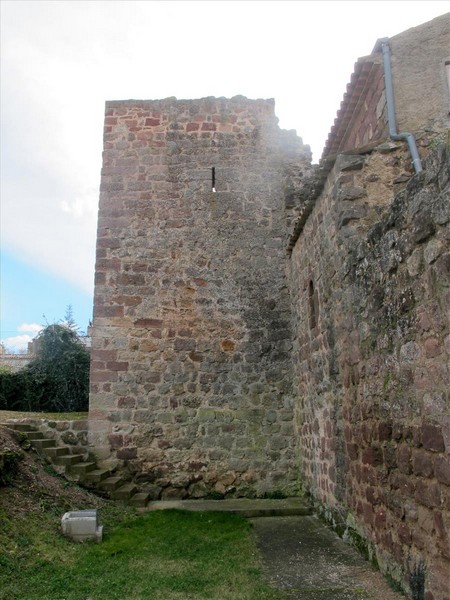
(32, 485)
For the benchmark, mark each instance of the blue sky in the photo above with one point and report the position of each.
(61, 60)
(30, 296)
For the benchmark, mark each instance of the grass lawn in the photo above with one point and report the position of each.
(164, 555)
(17, 414)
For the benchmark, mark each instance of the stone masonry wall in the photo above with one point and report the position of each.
(370, 289)
(191, 372)
(422, 94)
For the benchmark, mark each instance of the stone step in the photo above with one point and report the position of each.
(69, 459)
(246, 507)
(125, 492)
(56, 451)
(35, 435)
(42, 444)
(111, 484)
(20, 426)
(140, 499)
(96, 476)
(82, 468)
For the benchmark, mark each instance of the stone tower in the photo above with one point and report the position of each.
(191, 375)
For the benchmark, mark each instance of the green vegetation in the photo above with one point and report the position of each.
(56, 380)
(275, 495)
(160, 555)
(9, 460)
(22, 414)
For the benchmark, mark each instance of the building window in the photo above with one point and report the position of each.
(313, 305)
(447, 72)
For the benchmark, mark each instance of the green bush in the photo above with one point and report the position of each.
(57, 380)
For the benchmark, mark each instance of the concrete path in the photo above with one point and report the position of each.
(310, 562)
(243, 506)
(301, 556)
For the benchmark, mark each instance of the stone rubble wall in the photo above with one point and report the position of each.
(15, 362)
(191, 371)
(370, 288)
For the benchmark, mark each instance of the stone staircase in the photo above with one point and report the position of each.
(80, 468)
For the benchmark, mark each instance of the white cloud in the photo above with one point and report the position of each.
(62, 60)
(30, 327)
(16, 344)
(19, 343)
(84, 205)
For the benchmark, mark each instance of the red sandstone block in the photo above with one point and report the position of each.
(432, 438)
(107, 242)
(148, 323)
(97, 354)
(184, 344)
(192, 127)
(127, 300)
(102, 376)
(442, 468)
(404, 533)
(98, 414)
(369, 475)
(108, 264)
(428, 494)
(117, 366)
(432, 347)
(200, 282)
(127, 453)
(97, 365)
(422, 463)
(384, 431)
(164, 444)
(380, 519)
(440, 526)
(352, 451)
(185, 332)
(126, 402)
(115, 440)
(372, 456)
(152, 122)
(108, 311)
(110, 120)
(154, 377)
(209, 126)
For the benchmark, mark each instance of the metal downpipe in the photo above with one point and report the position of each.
(417, 163)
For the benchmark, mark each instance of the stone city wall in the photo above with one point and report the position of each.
(191, 370)
(370, 290)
